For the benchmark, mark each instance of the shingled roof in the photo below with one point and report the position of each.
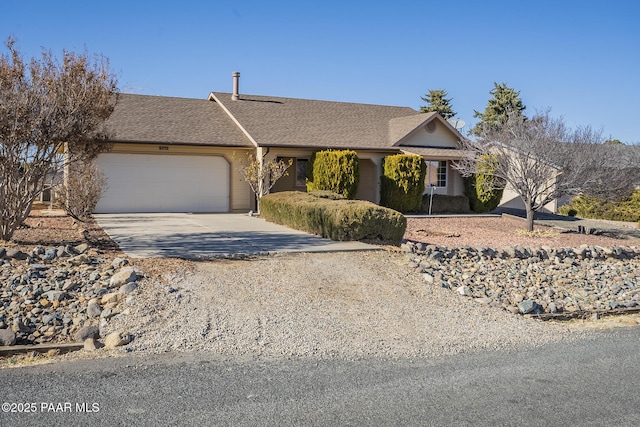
(166, 120)
(290, 122)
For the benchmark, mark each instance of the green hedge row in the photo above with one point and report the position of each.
(334, 170)
(334, 218)
(445, 204)
(590, 207)
(402, 182)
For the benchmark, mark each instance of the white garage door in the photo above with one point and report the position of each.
(164, 183)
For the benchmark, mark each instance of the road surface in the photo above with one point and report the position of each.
(588, 382)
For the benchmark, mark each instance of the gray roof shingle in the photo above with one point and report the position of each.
(166, 120)
(290, 122)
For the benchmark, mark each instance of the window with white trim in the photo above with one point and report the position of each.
(436, 173)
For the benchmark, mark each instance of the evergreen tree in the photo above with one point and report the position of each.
(437, 102)
(506, 101)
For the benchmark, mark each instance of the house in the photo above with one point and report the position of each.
(183, 155)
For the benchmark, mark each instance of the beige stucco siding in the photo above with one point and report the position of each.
(240, 193)
(439, 136)
(511, 200)
(369, 187)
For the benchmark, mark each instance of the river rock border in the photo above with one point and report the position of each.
(61, 294)
(534, 280)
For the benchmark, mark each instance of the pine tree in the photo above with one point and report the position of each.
(505, 101)
(437, 102)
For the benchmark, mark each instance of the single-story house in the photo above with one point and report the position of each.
(183, 155)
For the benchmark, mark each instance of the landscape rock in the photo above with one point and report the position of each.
(50, 254)
(534, 280)
(91, 344)
(16, 254)
(128, 288)
(111, 297)
(119, 263)
(527, 306)
(87, 332)
(81, 248)
(464, 290)
(7, 337)
(47, 292)
(125, 275)
(80, 259)
(94, 309)
(116, 339)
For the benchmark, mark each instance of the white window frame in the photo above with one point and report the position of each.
(442, 168)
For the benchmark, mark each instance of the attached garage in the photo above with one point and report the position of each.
(164, 183)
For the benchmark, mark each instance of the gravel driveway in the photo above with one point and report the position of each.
(347, 305)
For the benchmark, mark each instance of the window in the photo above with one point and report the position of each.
(436, 174)
(301, 172)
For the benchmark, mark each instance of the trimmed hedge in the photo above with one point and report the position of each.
(334, 170)
(402, 182)
(446, 204)
(627, 209)
(478, 187)
(335, 219)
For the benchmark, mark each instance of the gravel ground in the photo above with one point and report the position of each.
(347, 305)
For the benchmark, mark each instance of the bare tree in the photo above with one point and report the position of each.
(542, 159)
(262, 176)
(52, 114)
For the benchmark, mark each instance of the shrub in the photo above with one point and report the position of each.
(336, 219)
(334, 170)
(445, 204)
(402, 182)
(82, 189)
(627, 209)
(483, 189)
(325, 194)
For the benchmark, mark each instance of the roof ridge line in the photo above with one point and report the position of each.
(212, 97)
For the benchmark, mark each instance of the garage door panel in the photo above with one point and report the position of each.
(164, 183)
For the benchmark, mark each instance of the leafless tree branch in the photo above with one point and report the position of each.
(542, 159)
(52, 114)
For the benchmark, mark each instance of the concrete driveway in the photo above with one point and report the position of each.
(201, 236)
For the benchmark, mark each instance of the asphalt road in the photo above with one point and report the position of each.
(589, 382)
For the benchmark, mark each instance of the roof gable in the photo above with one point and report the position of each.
(437, 131)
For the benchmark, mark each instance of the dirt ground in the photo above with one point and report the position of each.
(499, 232)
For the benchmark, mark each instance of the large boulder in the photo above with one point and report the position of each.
(7, 337)
(126, 275)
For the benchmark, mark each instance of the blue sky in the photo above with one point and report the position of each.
(579, 58)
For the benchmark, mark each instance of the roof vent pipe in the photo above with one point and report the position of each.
(236, 86)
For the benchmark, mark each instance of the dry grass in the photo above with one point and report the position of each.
(538, 233)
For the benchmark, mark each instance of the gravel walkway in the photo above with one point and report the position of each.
(347, 305)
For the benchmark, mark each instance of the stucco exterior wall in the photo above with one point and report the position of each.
(440, 137)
